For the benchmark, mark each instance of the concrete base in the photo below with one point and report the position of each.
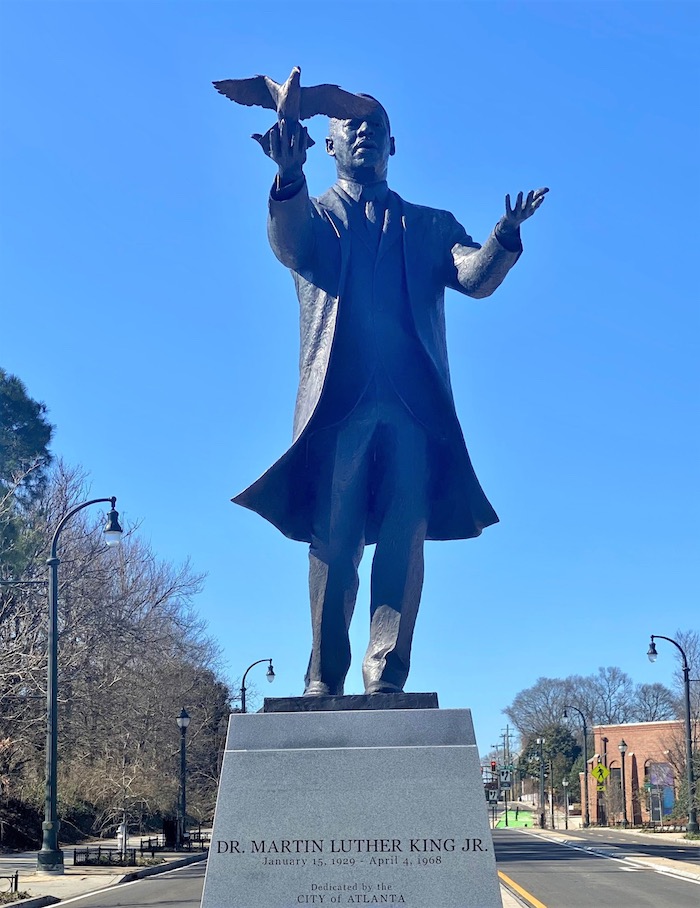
(351, 808)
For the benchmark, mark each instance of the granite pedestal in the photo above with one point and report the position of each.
(351, 807)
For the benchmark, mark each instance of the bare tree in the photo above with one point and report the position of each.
(655, 703)
(131, 653)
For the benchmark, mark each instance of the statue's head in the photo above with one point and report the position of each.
(362, 147)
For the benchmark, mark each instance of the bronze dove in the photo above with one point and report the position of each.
(292, 102)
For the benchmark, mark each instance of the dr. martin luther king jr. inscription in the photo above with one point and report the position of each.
(377, 455)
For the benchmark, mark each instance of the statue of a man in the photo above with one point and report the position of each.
(377, 455)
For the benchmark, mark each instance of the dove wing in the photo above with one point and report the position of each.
(251, 92)
(333, 101)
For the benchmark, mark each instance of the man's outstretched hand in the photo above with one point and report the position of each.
(523, 208)
(288, 143)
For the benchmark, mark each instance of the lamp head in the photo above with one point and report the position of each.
(651, 652)
(113, 531)
(622, 747)
(183, 720)
(270, 673)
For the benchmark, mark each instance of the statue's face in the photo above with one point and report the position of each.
(361, 148)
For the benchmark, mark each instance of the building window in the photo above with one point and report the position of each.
(659, 784)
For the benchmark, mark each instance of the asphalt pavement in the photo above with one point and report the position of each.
(48, 889)
(586, 868)
(578, 868)
(177, 882)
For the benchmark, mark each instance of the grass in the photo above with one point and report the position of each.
(6, 898)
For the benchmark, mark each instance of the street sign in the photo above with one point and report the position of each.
(600, 787)
(504, 778)
(492, 795)
(600, 771)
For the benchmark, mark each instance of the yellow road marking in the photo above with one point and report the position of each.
(536, 903)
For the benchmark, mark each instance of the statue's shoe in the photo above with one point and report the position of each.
(383, 687)
(321, 689)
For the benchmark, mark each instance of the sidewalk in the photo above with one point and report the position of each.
(48, 889)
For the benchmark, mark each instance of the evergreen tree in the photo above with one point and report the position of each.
(25, 434)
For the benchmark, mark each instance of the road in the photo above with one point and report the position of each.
(175, 889)
(559, 876)
(630, 844)
(556, 875)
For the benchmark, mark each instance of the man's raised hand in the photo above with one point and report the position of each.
(288, 144)
(523, 208)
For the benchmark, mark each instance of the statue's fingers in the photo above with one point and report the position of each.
(275, 143)
(519, 202)
(530, 197)
(509, 210)
(297, 138)
(540, 193)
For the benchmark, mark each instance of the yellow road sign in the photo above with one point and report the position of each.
(600, 771)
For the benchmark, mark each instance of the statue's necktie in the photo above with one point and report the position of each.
(374, 212)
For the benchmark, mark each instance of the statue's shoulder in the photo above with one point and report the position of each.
(425, 213)
(329, 199)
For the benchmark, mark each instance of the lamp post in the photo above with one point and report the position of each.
(622, 747)
(50, 858)
(270, 675)
(565, 783)
(540, 744)
(183, 720)
(587, 814)
(652, 654)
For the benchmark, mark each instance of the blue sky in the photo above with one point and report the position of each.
(140, 301)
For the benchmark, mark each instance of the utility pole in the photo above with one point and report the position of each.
(551, 792)
(506, 735)
(540, 745)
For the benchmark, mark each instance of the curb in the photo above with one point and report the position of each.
(514, 896)
(36, 901)
(161, 868)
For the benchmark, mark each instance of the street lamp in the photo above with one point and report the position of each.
(622, 747)
(540, 744)
(50, 858)
(183, 720)
(270, 675)
(587, 814)
(565, 783)
(652, 654)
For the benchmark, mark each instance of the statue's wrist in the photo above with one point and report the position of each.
(289, 175)
(508, 235)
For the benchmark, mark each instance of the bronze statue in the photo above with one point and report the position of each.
(377, 454)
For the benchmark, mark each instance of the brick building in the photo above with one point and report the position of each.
(653, 763)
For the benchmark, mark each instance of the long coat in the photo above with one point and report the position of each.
(311, 238)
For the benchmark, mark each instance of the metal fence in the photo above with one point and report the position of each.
(10, 883)
(103, 855)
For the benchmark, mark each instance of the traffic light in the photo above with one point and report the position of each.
(493, 766)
